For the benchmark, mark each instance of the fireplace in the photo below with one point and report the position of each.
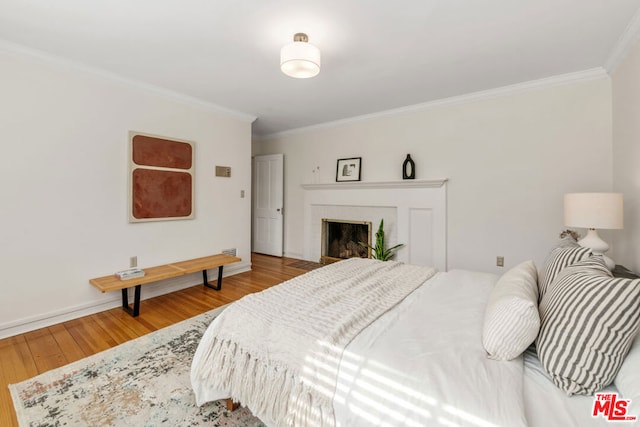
(341, 240)
(414, 212)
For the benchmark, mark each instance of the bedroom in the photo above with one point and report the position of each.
(64, 185)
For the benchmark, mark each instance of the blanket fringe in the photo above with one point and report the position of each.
(285, 402)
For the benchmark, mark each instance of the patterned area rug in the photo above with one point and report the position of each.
(143, 382)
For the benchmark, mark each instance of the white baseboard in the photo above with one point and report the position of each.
(112, 300)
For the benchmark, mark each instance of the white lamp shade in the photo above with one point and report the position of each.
(300, 60)
(593, 210)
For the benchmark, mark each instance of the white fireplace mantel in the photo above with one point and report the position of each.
(419, 210)
(409, 183)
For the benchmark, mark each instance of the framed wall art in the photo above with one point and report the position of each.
(161, 176)
(348, 169)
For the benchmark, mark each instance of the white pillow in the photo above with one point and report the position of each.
(511, 319)
(628, 379)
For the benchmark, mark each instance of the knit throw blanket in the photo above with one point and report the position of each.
(278, 351)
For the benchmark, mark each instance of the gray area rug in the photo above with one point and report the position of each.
(143, 382)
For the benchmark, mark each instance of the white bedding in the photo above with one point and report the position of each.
(548, 406)
(423, 364)
(278, 350)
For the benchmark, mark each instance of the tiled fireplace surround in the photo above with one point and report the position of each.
(414, 212)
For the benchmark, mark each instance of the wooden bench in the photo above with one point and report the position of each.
(161, 272)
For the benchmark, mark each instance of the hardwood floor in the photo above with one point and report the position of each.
(24, 356)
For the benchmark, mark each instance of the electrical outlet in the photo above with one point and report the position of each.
(500, 261)
(133, 261)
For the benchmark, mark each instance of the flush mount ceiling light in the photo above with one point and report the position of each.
(300, 59)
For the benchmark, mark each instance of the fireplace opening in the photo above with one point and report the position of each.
(341, 240)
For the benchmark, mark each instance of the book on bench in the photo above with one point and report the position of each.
(130, 273)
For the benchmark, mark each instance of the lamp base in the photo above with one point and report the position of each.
(597, 246)
(609, 262)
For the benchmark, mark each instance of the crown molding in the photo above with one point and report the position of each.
(625, 43)
(15, 48)
(562, 79)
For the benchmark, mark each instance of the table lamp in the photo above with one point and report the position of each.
(594, 211)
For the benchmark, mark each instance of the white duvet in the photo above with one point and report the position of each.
(548, 406)
(279, 350)
(423, 364)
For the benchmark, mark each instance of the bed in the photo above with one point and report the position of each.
(426, 357)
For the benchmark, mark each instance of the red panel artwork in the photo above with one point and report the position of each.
(161, 179)
(150, 151)
(161, 194)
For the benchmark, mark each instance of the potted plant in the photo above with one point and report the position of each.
(379, 250)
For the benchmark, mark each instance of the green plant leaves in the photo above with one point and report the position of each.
(379, 251)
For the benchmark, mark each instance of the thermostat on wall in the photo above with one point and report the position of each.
(223, 171)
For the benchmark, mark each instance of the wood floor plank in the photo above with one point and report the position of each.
(89, 336)
(24, 356)
(159, 314)
(115, 330)
(18, 363)
(7, 413)
(122, 319)
(45, 350)
(68, 345)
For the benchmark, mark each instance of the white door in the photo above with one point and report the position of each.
(268, 184)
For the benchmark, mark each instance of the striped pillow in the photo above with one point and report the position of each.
(588, 321)
(566, 252)
(511, 319)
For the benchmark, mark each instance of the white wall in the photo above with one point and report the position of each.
(509, 158)
(626, 155)
(63, 187)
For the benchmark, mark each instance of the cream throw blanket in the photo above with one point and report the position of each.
(278, 351)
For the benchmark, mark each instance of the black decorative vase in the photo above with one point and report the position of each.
(408, 168)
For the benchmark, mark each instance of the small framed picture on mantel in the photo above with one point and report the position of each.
(348, 169)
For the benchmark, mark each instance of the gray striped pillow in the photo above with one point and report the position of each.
(588, 321)
(566, 252)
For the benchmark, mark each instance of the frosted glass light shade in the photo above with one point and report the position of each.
(300, 59)
(593, 210)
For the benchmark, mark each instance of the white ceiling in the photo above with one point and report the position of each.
(376, 54)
